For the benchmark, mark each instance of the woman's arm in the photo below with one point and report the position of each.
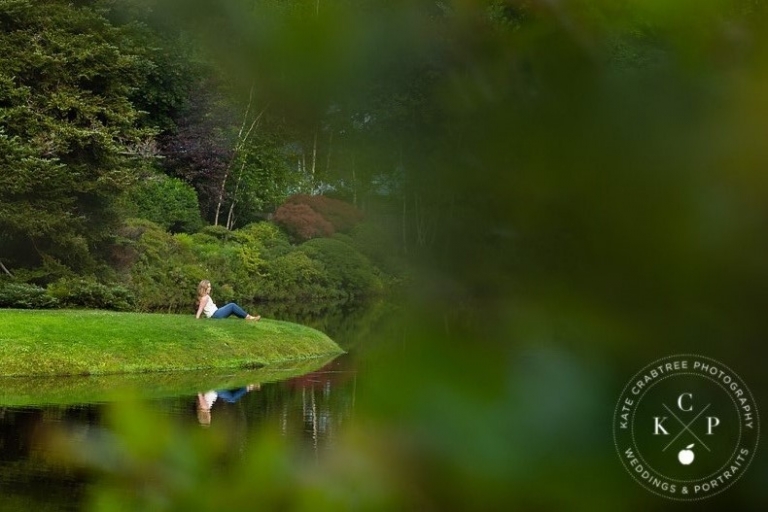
(203, 302)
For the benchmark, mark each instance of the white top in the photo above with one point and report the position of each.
(210, 308)
(210, 397)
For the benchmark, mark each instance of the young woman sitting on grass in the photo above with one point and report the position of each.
(207, 306)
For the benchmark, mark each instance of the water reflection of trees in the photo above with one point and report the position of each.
(327, 402)
(24, 468)
(308, 410)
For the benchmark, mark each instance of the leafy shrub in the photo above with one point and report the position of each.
(134, 227)
(341, 237)
(265, 232)
(295, 276)
(256, 263)
(232, 266)
(25, 296)
(305, 217)
(341, 215)
(348, 270)
(169, 202)
(88, 293)
(302, 222)
(166, 272)
(274, 242)
(123, 252)
(217, 232)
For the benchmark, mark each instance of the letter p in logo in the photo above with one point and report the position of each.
(712, 422)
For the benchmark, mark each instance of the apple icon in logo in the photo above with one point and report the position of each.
(685, 456)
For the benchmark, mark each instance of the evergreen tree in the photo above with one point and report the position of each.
(70, 137)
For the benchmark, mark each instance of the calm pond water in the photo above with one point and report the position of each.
(308, 410)
(487, 426)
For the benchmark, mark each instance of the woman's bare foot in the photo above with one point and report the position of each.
(254, 318)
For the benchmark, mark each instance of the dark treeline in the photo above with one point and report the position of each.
(505, 146)
(132, 165)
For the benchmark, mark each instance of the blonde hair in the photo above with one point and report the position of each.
(202, 289)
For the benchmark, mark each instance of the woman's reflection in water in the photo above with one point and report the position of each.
(206, 400)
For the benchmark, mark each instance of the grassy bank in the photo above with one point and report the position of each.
(69, 342)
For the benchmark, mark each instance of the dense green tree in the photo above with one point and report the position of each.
(71, 137)
(169, 202)
(171, 59)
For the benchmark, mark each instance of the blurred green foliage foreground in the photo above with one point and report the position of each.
(592, 195)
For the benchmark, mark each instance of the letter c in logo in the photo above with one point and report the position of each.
(680, 402)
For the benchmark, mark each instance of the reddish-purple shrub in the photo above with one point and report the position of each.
(302, 222)
(343, 216)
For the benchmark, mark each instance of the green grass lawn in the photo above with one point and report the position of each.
(85, 342)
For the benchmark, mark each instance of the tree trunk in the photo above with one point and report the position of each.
(424, 222)
(242, 138)
(418, 221)
(231, 214)
(221, 197)
(354, 182)
(405, 224)
(4, 269)
(314, 160)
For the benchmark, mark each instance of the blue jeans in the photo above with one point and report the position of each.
(232, 396)
(228, 310)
